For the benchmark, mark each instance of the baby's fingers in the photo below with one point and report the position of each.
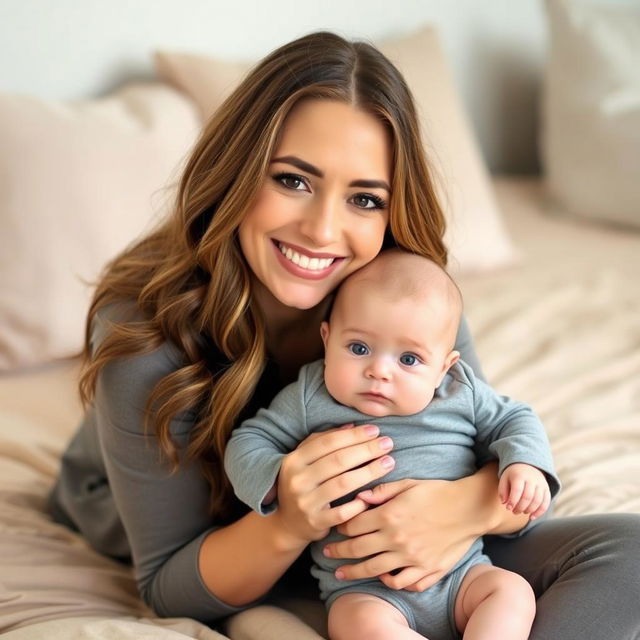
(544, 505)
(515, 494)
(528, 499)
(503, 488)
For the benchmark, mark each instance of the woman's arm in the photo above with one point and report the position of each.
(323, 467)
(425, 526)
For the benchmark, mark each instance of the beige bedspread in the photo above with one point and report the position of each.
(560, 330)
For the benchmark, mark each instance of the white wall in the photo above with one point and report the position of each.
(78, 48)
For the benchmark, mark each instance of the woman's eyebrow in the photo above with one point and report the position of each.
(303, 165)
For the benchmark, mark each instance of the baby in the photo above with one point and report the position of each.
(389, 355)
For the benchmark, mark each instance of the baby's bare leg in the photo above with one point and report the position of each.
(362, 616)
(494, 603)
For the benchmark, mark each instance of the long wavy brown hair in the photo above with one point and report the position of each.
(189, 279)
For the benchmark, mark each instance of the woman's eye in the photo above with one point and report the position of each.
(358, 349)
(291, 181)
(409, 360)
(368, 201)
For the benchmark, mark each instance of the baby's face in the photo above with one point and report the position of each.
(384, 357)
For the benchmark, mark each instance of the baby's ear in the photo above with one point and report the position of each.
(449, 361)
(324, 332)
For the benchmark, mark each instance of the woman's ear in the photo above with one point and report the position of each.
(324, 332)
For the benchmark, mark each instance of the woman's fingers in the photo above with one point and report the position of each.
(337, 515)
(347, 458)
(428, 581)
(319, 445)
(360, 547)
(350, 481)
(385, 491)
(372, 519)
(371, 568)
(411, 579)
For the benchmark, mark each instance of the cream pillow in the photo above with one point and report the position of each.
(591, 108)
(78, 182)
(476, 236)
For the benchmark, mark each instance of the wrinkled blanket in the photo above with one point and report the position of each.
(560, 329)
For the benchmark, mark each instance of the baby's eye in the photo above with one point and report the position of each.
(358, 349)
(409, 360)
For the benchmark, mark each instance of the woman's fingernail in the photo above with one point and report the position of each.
(386, 444)
(327, 552)
(387, 462)
(339, 574)
(371, 430)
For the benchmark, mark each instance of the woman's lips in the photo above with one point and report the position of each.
(302, 272)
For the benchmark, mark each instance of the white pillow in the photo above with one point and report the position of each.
(476, 237)
(78, 182)
(591, 110)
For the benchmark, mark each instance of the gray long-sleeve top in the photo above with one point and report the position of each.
(466, 422)
(114, 487)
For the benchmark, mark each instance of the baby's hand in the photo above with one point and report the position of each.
(524, 489)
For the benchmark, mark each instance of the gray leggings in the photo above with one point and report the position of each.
(585, 571)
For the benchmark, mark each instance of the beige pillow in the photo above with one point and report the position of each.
(591, 107)
(78, 182)
(476, 236)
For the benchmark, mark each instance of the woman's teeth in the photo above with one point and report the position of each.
(312, 264)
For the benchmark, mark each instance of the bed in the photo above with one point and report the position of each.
(558, 329)
(551, 294)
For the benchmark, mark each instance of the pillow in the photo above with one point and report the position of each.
(476, 236)
(591, 110)
(78, 182)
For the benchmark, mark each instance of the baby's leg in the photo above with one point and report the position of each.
(362, 616)
(494, 603)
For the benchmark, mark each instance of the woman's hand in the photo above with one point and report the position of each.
(325, 467)
(421, 528)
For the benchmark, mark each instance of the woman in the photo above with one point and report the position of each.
(310, 168)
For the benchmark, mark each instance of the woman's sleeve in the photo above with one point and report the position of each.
(165, 515)
(464, 344)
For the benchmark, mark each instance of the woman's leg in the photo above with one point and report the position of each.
(585, 572)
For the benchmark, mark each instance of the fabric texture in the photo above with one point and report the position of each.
(78, 182)
(476, 235)
(591, 110)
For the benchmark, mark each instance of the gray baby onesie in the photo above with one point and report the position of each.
(464, 426)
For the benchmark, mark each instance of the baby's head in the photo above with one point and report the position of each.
(390, 337)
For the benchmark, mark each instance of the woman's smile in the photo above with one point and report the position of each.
(304, 263)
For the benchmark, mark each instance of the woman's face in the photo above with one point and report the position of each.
(323, 206)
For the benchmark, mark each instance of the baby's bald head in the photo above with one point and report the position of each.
(397, 274)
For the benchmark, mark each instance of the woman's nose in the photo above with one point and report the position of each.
(321, 223)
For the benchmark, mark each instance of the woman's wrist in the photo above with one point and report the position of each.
(236, 569)
(284, 540)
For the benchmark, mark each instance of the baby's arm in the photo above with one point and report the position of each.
(524, 489)
(255, 451)
(511, 432)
